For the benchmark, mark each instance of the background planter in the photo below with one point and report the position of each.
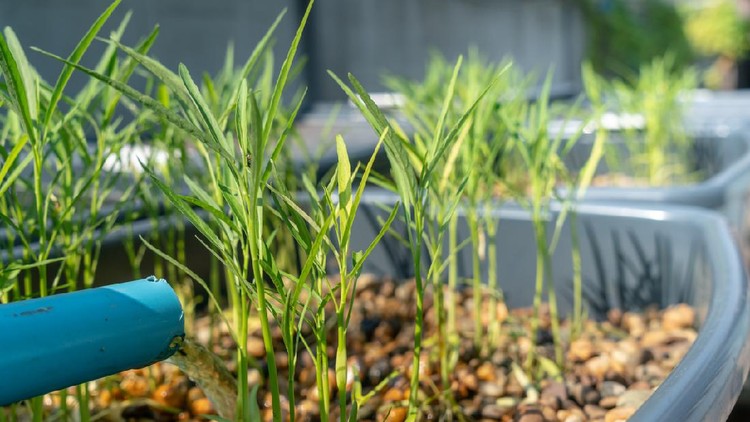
(723, 159)
(631, 257)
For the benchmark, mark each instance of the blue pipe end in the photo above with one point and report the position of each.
(58, 341)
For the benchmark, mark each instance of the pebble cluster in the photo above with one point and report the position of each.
(611, 368)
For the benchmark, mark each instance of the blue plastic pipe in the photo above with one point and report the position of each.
(54, 342)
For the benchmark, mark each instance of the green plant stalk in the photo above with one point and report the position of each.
(341, 352)
(321, 356)
(256, 243)
(41, 216)
(476, 280)
(416, 240)
(577, 326)
(493, 282)
(544, 282)
(440, 314)
(452, 278)
(242, 385)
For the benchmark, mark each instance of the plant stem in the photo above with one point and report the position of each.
(495, 291)
(543, 280)
(416, 238)
(452, 275)
(476, 276)
(256, 243)
(577, 326)
(242, 313)
(341, 357)
(321, 356)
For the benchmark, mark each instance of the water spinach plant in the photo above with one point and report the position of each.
(53, 169)
(414, 168)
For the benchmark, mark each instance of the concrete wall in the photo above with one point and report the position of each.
(368, 37)
(365, 37)
(195, 32)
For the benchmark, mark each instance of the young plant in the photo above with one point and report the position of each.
(246, 163)
(539, 154)
(53, 140)
(660, 152)
(413, 171)
(577, 182)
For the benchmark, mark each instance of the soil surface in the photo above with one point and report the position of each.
(609, 370)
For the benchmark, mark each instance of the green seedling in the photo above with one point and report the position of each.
(413, 171)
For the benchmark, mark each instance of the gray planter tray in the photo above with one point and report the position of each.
(631, 257)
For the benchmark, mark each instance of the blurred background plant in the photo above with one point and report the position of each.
(718, 33)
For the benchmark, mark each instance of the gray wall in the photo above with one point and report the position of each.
(195, 32)
(365, 37)
(368, 37)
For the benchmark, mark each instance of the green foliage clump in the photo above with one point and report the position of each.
(717, 29)
(623, 35)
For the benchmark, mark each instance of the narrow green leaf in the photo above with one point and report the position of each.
(190, 273)
(143, 99)
(241, 122)
(209, 121)
(343, 172)
(249, 65)
(383, 230)
(16, 87)
(127, 70)
(218, 214)
(28, 74)
(75, 57)
(169, 78)
(284, 135)
(187, 211)
(284, 73)
(10, 160)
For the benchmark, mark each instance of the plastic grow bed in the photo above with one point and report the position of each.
(631, 257)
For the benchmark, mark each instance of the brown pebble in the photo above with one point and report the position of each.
(634, 323)
(201, 406)
(611, 388)
(255, 347)
(195, 393)
(494, 412)
(531, 415)
(308, 408)
(396, 414)
(486, 372)
(678, 317)
(594, 412)
(586, 394)
(282, 360)
(608, 402)
(654, 338)
(619, 414)
(633, 398)
(134, 386)
(393, 394)
(566, 415)
(171, 396)
(639, 385)
(553, 395)
(470, 382)
(491, 389)
(614, 316)
(598, 366)
(580, 350)
(104, 399)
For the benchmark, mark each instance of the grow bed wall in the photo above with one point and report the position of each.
(631, 257)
